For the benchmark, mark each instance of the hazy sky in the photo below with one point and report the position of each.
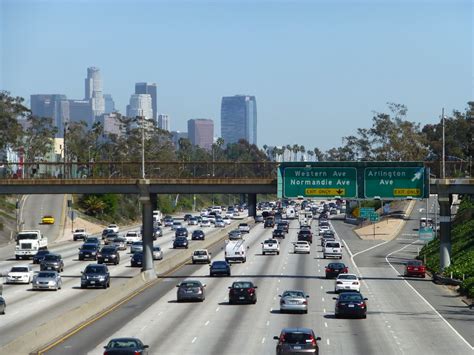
(317, 68)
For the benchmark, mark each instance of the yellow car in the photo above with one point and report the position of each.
(47, 220)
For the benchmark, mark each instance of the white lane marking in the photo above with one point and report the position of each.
(207, 323)
(160, 313)
(319, 270)
(279, 288)
(143, 328)
(268, 323)
(274, 298)
(263, 340)
(324, 310)
(279, 280)
(424, 299)
(322, 299)
(217, 309)
(271, 309)
(322, 287)
(325, 324)
(327, 341)
(194, 339)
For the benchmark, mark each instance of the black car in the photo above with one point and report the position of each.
(39, 256)
(180, 242)
(93, 240)
(269, 222)
(305, 235)
(198, 234)
(218, 268)
(52, 262)
(242, 292)
(334, 269)
(181, 232)
(108, 254)
(187, 216)
(284, 225)
(136, 259)
(123, 346)
(278, 233)
(88, 251)
(350, 304)
(297, 341)
(95, 275)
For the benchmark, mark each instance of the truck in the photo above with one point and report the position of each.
(79, 233)
(28, 242)
(157, 217)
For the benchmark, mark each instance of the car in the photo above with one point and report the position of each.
(278, 233)
(88, 251)
(244, 227)
(322, 229)
(168, 221)
(136, 259)
(109, 238)
(334, 269)
(219, 268)
(190, 290)
(297, 341)
(347, 282)
(52, 262)
(219, 223)
(415, 268)
(333, 211)
(305, 235)
(176, 225)
(157, 253)
(157, 232)
(180, 242)
(294, 301)
(132, 236)
(271, 246)
(3, 305)
(284, 225)
(93, 240)
(48, 219)
(109, 254)
(198, 234)
(201, 256)
(95, 275)
(20, 274)
(40, 255)
(332, 249)
(122, 346)
(269, 222)
(227, 220)
(235, 234)
(242, 292)
(47, 280)
(350, 304)
(327, 238)
(79, 233)
(301, 246)
(205, 222)
(136, 247)
(120, 243)
(181, 232)
(193, 221)
(259, 219)
(113, 227)
(187, 217)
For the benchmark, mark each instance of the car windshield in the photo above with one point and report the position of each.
(51, 257)
(42, 252)
(270, 241)
(302, 243)
(332, 245)
(190, 284)
(123, 343)
(293, 294)
(219, 264)
(297, 338)
(242, 285)
(19, 269)
(108, 250)
(350, 297)
(156, 248)
(137, 244)
(414, 263)
(200, 252)
(95, 270)
(347, 277)
(48, 275)
(92, 240)
(337, 266)
(88, 246)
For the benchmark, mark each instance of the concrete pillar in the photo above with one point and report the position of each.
(445, 230)
(252, 205)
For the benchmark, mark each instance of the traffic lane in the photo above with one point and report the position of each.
(345, 231)
(97, 333)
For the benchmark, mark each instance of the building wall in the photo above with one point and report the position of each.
(164, 122)
(150, 89)
(201, 132)
(239, 119)
(140, 105)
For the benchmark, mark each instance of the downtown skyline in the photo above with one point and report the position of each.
(317, 75)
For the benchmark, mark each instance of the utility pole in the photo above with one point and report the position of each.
(444, 147)
(143, 147)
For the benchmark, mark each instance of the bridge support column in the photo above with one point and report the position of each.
(147, 200)
(445, 230)
(252, 205)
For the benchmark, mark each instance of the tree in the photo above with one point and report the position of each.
(302, 151)
(39, 137)
(11, 109)
(295, 149)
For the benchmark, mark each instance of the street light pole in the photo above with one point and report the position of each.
(444, 147)
(143, 147)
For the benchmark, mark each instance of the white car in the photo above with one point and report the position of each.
(271, 246)
(301, 246)
(193, 221)
(204, 212)
(219, 223)
(201, 256)
(205, 222)
(347, 282)
(132, 236)
(244, 228)
(157, 253)
(176, 225)
(21, 274)
(322, 229)
(227, 220)
(332, 248)
(114, 227)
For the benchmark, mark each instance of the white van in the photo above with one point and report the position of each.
(235, 250)
(290, 213)
(332, 248)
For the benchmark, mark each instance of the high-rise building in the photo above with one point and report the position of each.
(53, 106)
(176, 136)
(239, 119)
(109, 103)
(201, 132)
(93, 91)
(81, 110)
(112, 123)
(164, 122)
(140, 105)
(150, 89)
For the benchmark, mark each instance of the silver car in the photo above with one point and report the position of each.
(294, 301)
(120, 243)
(136, 247)
(157, 253)
(47, 280)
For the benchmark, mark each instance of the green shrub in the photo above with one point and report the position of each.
(467, 287)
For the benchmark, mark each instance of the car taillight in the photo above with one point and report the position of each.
(313, 341)
(339, 282)
(136, 352)
(282, 338)
(305, 302)
(345, 270)
(361, 305)
(99, 255)
(328, 270)
(251, 290)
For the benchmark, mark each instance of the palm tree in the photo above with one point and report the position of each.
(302, 151)
(295, 149)
(288, 148)
(310, 154)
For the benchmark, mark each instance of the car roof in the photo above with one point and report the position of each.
(24, 265)
(297, 330)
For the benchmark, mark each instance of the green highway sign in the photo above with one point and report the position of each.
(365, 212)
(394, 182)
(323, 182)
(374, 217)
(426, 233)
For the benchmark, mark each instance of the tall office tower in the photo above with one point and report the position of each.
(93, 91)
(150, 89)
(164, 122)
(52, 106)
(112, 123)
(109, 103)
(201, 132)
(140, 105)
(81, 110)
(239, 119)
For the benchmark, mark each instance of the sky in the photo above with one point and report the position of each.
(318, 69)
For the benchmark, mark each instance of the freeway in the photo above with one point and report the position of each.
(398, 321)
(27, 309)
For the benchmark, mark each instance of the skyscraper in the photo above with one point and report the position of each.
(150, 89)
(109, 103)
(140, 105)
(201, 132)
(164, 122)
(239, 119)
(52, 106)
(93, 91)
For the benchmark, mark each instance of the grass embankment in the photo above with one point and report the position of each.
(462, 252)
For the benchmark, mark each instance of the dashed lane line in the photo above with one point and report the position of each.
(194, 340)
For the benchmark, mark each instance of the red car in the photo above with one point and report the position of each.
(415, 268)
